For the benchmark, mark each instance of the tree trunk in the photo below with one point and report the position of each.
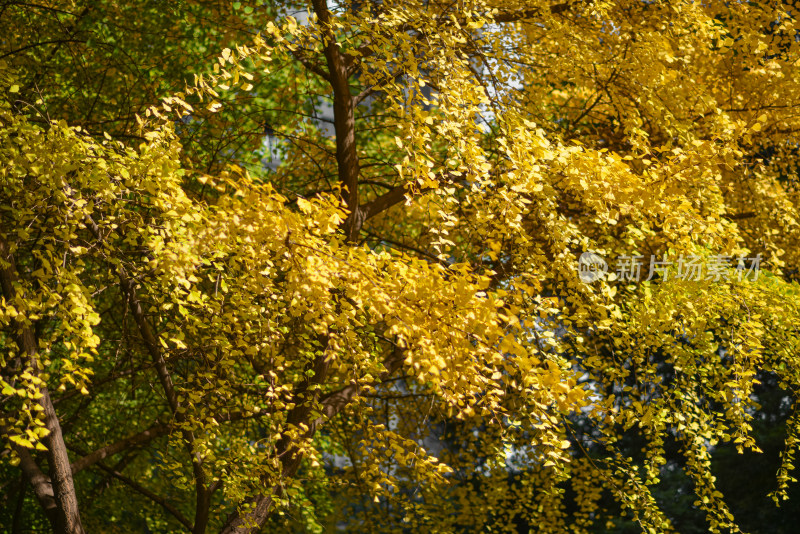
(66, 519)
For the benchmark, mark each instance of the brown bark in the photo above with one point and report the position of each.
(344, 121)
(66, 516)
(42, 488)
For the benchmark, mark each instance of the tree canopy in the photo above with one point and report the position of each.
(393, 328)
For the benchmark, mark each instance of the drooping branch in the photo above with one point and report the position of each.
(369, 49)
(150, 341)
(135, 486)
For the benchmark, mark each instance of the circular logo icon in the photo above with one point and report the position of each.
(591, 267)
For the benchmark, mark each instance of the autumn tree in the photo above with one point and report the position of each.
(389, 332)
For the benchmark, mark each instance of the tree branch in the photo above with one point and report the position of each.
(34, 45)
(140, 438)
(202, 493)
(310, 65)
(135, 486)
(288, 452)
(335, 402)
(287, 449)
(740, 216)
(343, 120)
(385, 201)
(515, 16)
(15, 521)
(145, 436)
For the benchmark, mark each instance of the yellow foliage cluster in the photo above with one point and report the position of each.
(399, 316)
